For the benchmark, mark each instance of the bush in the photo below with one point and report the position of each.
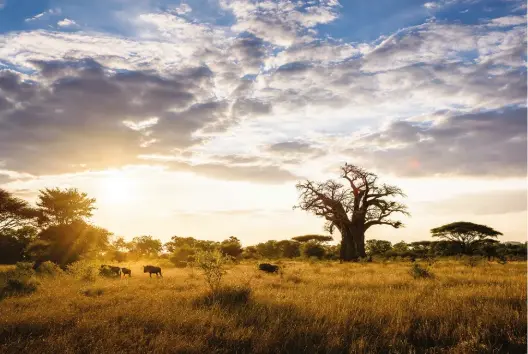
(472, 261)
(419, 272)
(227, 296)
(49, 269)
(18, 281)
(212, 263)
(92, 292)
(313, 249)
(84, 270)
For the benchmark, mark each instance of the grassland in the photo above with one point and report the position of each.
(311, 308)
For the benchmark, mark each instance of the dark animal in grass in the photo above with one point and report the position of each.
(151, 269)
(269, 268)
(108, 270)
(126, 271)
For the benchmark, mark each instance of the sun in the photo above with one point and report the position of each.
(116, 188)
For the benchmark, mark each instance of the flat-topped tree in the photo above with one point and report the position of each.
(352, 207)
(465, 233)
(307, 238)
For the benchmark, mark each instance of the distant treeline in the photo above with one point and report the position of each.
(58, 230)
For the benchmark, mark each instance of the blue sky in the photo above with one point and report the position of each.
(213, 96)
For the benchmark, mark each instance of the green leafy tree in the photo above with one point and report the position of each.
(352, 207)
(15, 212)
(67, 243)
(289, 249)
(464, 233)
(146, 246)
(64, 206)
(313, 249)
(13, 243)
(269, 249)
(231, 247)
(377, 247)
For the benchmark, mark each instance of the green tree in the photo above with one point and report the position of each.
(146, 246)
(64, 206)
(313, 249)
(377, 247)
(289, 249)
(13, 243)
(67, 243)
(464, 233)
(231, 247)
(15, 212)
(352, 207)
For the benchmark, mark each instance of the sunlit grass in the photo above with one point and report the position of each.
(312, 308)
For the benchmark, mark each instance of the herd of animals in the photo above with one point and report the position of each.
(109, 270)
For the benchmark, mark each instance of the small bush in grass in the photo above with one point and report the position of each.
(49, 269)
(84, 270)
(419, 272)
(228, 296)
(471, 261)
(92, 292)
(18, 281)
(212, 263)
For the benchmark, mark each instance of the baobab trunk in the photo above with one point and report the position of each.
(352, 242)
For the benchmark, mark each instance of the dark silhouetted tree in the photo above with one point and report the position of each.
(289, 249)
(352, 207)
(13, 243)
(15, 212)
(313, 249)
(64, 206)
(464, 233)
(319, 238)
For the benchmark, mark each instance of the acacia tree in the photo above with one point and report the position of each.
(14, 212)
(64, 206)
(352, 207)
(464, 233)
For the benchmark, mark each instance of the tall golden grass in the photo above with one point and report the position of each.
(310, 308)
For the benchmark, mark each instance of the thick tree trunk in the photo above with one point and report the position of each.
(352, 242)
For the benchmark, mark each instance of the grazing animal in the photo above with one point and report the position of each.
(269, 268)
(110, 270)
(151, 269)
(126, 271)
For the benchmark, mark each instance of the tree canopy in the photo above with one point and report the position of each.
(465, 233)
(306, 238)
(15, 212)
(63, 206)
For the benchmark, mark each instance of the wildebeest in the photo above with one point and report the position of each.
(109, 270)
(151, 269)
(269, 268)
(126, 271)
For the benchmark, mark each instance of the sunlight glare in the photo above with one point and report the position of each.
(116, 188)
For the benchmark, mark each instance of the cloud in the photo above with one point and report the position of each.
(280, 22)
(257, 173)
(295, 147)
(486, 203)
(74, 116)
(66, 22)
(508, 21)
(489, 143)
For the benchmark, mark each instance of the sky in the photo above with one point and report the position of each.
(197, 118)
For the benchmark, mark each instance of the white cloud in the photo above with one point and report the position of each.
(66, 22)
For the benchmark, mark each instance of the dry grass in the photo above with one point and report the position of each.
(327, 308)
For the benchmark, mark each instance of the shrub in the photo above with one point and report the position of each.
(91, 292)
(212, 263)
(84, 270)
(228, 296)
(419, 272)
(49, 269)
(471, 261)
(313, 249)
(18, 281)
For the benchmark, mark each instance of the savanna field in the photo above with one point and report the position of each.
(311, 307)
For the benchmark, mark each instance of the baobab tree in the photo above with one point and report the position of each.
(352, 207)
